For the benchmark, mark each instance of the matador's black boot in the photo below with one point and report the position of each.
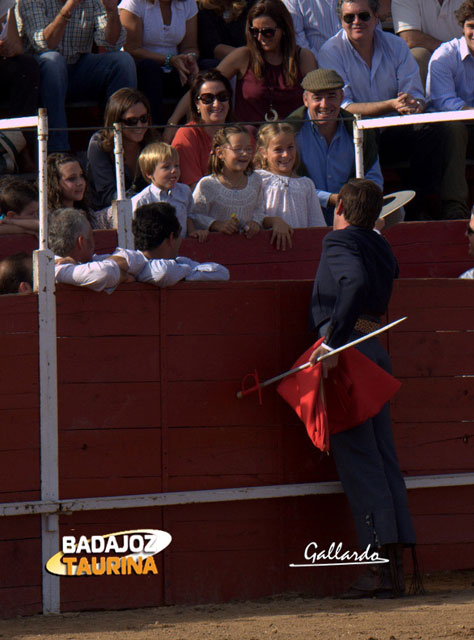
(381, 580)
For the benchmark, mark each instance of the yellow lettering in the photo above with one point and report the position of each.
(98, 566)
(69, 562)
(113, 566)
(150, 566)
(83, 567)
(135, 566)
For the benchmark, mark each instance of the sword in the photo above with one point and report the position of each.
(260, 385)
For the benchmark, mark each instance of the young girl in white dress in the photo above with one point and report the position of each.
(286, 195)
(231, 198)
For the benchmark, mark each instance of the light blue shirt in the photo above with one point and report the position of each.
(330, 166)
(393, 70)
(315, 21)
(180, 197)
(450, 80)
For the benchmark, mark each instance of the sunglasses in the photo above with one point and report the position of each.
(350, 17)
(209, 98)
(132, 122)
(267, 32)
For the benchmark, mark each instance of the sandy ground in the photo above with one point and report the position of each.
(446, 611)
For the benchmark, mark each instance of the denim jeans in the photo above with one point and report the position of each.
(95, 76)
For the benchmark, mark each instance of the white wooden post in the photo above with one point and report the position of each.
(43, 271)
(358, 147)
(122, 207)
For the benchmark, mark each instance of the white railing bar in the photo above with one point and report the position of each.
(214, 495)
(19, 123)
(419, 118)
(43, 178)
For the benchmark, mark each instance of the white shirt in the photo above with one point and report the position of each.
(315, 21)
(438, 21)
(166, 273)
(102, 274)
(157, 36)
(468, 275)
(213, 201)
(293, 199)
(180, 197)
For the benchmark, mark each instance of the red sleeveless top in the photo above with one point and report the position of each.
(254, 97)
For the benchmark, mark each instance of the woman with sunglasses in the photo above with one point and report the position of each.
(269, 69)
(132, 109)
(211, 96)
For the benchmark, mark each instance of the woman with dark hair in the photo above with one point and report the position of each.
(131, 108)
(221, 26)
(162, 38)
(211, 97)
(269, 69)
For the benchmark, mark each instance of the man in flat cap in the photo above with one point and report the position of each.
(325, 140)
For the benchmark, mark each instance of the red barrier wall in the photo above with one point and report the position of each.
(423, 250)
(147, 382)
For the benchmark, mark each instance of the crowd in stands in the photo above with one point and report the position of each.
(204, 78)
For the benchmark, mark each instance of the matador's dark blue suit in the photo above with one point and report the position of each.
(354, 280)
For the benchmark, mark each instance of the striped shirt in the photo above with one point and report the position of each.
(315, 21)
(450, 81)
(87, 25)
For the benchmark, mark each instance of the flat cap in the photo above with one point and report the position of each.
(322, 79)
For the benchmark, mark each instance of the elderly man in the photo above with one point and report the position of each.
(16, 274)
(61, 33)
(351, 293)
(424, 25)
(381, 78)
(70, 237)
(325, 140)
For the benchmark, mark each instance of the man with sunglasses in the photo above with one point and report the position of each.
(61, 34)
(382, 78)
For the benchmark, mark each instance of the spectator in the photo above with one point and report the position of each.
(289, 199)
(162, 38)
(268, 69)
(20, 79)
(381, 77)
(450, 88)
(61, 34)
(325, 139)
(424, 25)
(231, 198)
(315, 21)
(132, 109)
(67, 189)
(221, 28)
(159, 163)
(16, 274)
(18, 207)
(469, 274)
(211, 97)
(157, 238)
(70, 237)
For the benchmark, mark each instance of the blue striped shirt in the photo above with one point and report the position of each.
(450, 81)
(315, 21)
(393, 70)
